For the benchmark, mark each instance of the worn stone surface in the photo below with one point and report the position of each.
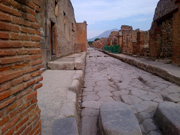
(167, 116)
(65, 126)
(149, 125)
(115, 80)
(118, 119)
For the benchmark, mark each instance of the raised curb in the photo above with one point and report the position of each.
(147, 67)
(65, 126)
(168, 118)
(118, 119)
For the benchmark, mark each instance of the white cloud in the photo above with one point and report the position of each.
(103, 10)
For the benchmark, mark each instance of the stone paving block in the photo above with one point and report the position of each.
(106, 99)
(88, 89)
(144, 115)
(56, 65)
(71, 96)
(92, 104)
(148, 97)
(138, 93)
(172, 97)
(79, 65)
(140, 108)
(88, 93)
(118, 119)
(149, 125)
(65, 126)
(89, 125)
(89, 112)
(168, 118)
(130, 99)
(149, 104)
(154, 133)
(90, 98)
(173, 89)
(104, 93)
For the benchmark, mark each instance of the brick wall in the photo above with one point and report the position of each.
(20, 61)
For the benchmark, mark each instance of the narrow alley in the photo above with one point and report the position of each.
(108, 79)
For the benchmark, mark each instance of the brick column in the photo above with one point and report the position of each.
(20, 61)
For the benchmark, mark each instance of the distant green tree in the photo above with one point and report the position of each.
(90, 42)
(97, 39)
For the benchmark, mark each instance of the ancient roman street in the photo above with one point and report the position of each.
(108, 79)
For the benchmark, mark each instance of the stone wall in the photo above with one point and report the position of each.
(82, 36)
(58, 29)
(164, 40)
(20, 61)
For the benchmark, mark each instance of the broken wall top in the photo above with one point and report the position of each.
(165, 7)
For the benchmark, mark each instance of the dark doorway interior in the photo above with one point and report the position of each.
(52, 38)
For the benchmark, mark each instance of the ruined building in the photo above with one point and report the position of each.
(60, 33)
(165, 30)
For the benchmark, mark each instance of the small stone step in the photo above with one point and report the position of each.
(65, 126)
(168, 118)
(118, 119)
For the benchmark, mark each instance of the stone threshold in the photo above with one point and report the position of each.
(166, 71)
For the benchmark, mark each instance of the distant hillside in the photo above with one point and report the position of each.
(104, 34)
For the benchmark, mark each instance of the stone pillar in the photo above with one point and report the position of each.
(20, 61)
(82, 35)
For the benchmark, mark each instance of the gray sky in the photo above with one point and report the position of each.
(102, 15)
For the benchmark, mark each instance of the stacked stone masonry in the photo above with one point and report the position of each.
(20, 64)
(164, 33)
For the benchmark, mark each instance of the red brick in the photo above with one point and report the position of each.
(26, 77)
(34, 74)
(34, 51)
(28, 30)
(24, 92)
(14, 105)
(10, 132)
(14, 36)
(23, 121)
(24, 37)
(21, 130)
(9, 27)
(20, 21)
(28, 110)
(39, 79)
(9, 10)
(28, 17)
(9, 60)
(36, 62)
(35, 25)
(27, 58)
(35, 128)
(36, 2)
(27, 70)
(37, 9)
(1, 114)
(35, 38)
(10, 124)
(9, 75)
(30, 44)
(4, 35)
(32, 12)
(5, 94)
(34, 100)
(30, 96)
(17, 88)
(4, 120)
(23, 52)
(21, 65)
(27, 130)
(17, 81)
(38, 86)
(5, 17)
(7, 68)
(29, 83)
(30, 4)
(11, 44)
(7, 52)
(7, 102)
(6, 2)
(5, 86)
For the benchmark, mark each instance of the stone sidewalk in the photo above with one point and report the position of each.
(166, 71)
(58, 97)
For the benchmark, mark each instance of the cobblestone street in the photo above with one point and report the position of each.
(108, 79)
